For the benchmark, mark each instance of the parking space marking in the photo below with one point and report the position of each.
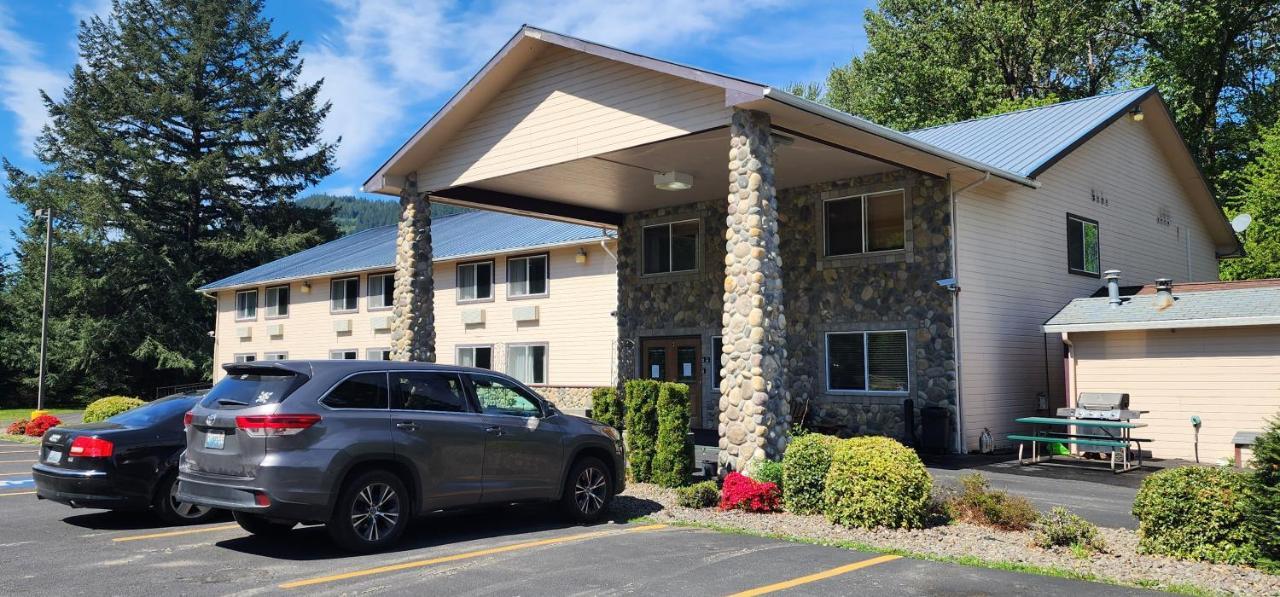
(16, 461)
(825, 574)
(33, 451)
(18, 493)
(464, 556)
(225, 527)
(13, 474)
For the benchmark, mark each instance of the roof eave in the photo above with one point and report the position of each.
(1217, 322)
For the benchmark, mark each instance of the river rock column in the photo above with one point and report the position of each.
(413, 330)
(754, 409)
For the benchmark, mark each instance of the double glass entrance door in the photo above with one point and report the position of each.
(678, 360)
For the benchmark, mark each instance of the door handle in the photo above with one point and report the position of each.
(496, 430)
(407, 426)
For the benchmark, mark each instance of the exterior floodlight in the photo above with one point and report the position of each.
(673, 181)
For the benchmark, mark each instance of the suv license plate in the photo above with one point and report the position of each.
(53, 457)
(215, 440)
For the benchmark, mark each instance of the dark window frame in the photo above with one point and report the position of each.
(865, 231)
(493, 266)
(671, 254)
(1084, 247)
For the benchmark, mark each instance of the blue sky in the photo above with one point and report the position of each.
(389, 64)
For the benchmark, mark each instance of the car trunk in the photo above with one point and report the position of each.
(55, 447)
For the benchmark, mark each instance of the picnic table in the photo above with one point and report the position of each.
(1116, 435)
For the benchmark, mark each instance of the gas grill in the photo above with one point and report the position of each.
(1104, 406)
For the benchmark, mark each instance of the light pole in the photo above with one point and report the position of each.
(47, 214)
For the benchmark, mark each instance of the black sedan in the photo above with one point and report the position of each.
(127, 462)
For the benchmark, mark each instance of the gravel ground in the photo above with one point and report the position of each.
(1121, 562)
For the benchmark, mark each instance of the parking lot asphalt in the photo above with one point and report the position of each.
(47, 548)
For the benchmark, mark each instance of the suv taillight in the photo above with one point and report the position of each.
(91, 447)
(275, 425)
(186, 420)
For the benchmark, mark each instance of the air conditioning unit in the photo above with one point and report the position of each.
(524, 314)
(380, 324)
(244, 332)
(472, 316)
(275, 329)
(342, 326)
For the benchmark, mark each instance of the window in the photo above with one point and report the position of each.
(717, 350)
(381, 291)
(498, 397)
(527, 362)
(278, 301)
(475, 281)
(865, 223)
(275, 356)
(476, 356)
(378, 354)
(867, 362)
(1082, 246)
(527, 276)
(247, 357)
(343, 354)
(246, 305)
(366, 390)
(437, 392)
(343, 295)
(671, 247)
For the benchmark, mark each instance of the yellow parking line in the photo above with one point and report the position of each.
(463, 556)
(226, 527)
(795, 582)
(18, 493)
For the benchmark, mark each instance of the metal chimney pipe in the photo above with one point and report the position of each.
(1164, 293)
(1113, 286)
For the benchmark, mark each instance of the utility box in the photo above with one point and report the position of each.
(342, 326)
(935, 424)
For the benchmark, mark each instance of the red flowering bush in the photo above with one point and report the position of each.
(741, 492)
(17, 427)
(41, 424)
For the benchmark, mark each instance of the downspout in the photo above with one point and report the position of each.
(613, 354)
(213, 360)
(955, 302)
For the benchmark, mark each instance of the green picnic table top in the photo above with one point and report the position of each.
(1090, 422)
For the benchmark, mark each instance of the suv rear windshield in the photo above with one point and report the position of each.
(238, 389)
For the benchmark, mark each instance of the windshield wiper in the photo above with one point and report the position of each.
(230, 402)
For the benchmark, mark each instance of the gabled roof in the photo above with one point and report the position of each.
(467, 234)
(1216, 304)
(1028, 141)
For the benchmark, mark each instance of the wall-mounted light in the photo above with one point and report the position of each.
(673, 181)
(306, 287)
(581, 257)
(1136, 114)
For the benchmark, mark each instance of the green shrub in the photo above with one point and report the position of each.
(606, 407)
(1196, 513)
(977, 503)
(804, 471)
(1060, 528)
(876, 482)
(673, 453)
(105, 408)
(768, 471)
(704, 494)
(1263, 509)
(642, 427)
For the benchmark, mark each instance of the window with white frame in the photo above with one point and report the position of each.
(868, 223)
(1082, 246)
(245, 357)
(246, 304)
(527, 276)
(278, 301)
(378, 354)
(275, 356)
(527, 362)
(344, 354)
(382, 291)
(476, 356)
(475, 281)
(670, 247)
(343, 294)
(867, 362)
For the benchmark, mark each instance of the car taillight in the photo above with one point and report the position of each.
(186, 420)
(275, 425)
(91, 447)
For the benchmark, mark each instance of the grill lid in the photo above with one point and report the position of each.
(1102, 400)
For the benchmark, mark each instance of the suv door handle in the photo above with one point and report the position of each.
(496, 430)
(407, 425)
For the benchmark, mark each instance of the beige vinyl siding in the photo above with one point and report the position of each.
(1230, 377)
(1012, 264)
(575, 320)
(568, 105)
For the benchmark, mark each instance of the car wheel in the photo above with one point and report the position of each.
(371, 514)
(167, 507)
(587, 491)
(261, 525)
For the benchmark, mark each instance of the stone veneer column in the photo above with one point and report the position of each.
(754, 409)
(413, 330)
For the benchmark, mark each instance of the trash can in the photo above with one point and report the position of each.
(935, 423)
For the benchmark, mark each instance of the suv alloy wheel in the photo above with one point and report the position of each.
(372, 512)
(587, 491)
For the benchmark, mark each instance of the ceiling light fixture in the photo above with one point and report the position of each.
(673, 181)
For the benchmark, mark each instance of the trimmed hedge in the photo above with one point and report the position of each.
(804, 471)
(768, 471)
(1196, 513)
(876, 482)
(606, 407)
(1264, 505)
(642, 427)
(105, 408)
(673, 452)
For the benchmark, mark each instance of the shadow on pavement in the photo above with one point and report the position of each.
(1066, 468)
(113, 520)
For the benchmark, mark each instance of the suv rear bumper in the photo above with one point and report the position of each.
(242, 496)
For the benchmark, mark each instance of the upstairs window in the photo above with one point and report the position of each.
(1082, 246)
(247, 304)
(670, 248)
(527, 276)
(475, 281)
(476, 356)
(865, 223)
(867, 362)
(381, 291)
(343, 294)
(278, 301)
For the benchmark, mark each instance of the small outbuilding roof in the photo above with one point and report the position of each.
(1213, 304)
(468, 234)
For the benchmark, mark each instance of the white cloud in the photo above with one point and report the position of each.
(22, 76)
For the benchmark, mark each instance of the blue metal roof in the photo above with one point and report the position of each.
(1028, 141)
(461, 235)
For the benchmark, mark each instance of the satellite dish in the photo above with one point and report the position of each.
(1241, 222)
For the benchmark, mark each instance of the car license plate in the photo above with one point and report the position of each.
(215, 440)
(53, 457)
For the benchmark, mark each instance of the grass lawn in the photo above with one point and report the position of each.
(9, 415)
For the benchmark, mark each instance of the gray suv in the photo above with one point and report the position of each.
(363, 446)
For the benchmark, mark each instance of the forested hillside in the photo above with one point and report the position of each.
(353, 214)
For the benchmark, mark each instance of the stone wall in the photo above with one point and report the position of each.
(413, 332)
(568, 397)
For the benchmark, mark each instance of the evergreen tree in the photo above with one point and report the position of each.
(171, 161)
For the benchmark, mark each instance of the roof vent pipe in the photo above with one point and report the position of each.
(1113, 286)
(1164, 293)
